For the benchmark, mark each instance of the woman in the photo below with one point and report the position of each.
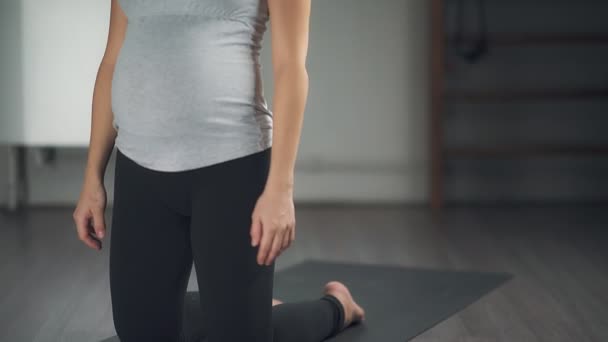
(195, 180)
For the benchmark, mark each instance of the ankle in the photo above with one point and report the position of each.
(339, 312)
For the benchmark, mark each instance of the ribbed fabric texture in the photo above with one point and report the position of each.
(187, 89)
(315, 319)
(339, 314)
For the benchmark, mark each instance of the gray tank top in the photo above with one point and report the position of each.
(187, 89)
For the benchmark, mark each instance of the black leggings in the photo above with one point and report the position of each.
(162, 222)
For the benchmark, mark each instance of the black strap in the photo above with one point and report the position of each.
(471, 54)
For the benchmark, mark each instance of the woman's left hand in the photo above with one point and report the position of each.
(273, 222)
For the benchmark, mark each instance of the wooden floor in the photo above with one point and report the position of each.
(53, 288)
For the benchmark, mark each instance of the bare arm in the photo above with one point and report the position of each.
(273, 219)
(290, 27)
(103, 134)
(89, 213)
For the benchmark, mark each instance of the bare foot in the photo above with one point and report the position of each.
(276, 302)
(352, 311)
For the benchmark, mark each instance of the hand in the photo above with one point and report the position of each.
(273, 221)
(89, 214)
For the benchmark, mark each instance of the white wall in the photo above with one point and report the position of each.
(11, 81)
(61, 43)
(364, 135)
(365, 131)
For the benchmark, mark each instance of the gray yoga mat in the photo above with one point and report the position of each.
(400, 302)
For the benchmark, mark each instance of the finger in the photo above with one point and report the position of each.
(99, 223)
(82, 224)
(87, 234)
(267, 237)
(276, 247)
(93, 241)
(286, 240)
(255, 231)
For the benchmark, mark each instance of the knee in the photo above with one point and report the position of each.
(134, 328)
(148, 334)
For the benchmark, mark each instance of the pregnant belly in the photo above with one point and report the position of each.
(182, 92)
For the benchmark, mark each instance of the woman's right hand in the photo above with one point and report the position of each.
(89, 213)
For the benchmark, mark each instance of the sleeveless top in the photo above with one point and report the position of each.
(186, 90)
